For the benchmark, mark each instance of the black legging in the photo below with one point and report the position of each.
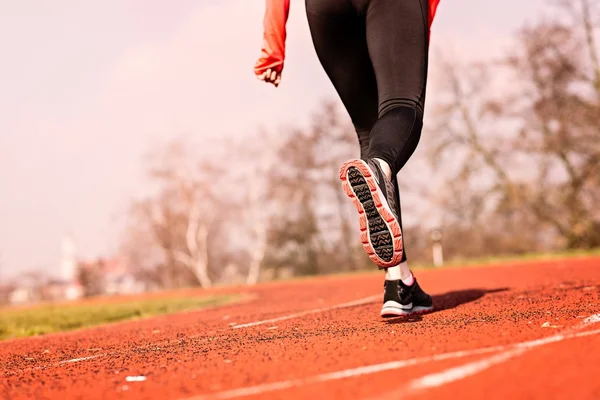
(376, 53)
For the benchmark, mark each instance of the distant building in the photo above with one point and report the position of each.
(68, 260)
(66, 286)
(60, 290)
(119, 278)
(74, 279)
(28, 288)
(61, 284)
(109, 276)
(6, 291)
(21, 295)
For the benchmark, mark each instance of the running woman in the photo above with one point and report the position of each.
(375, 53)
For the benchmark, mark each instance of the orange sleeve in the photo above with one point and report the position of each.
(433, 4)
(273, 49)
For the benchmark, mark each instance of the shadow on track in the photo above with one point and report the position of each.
(448, 301)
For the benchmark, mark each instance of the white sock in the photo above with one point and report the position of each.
(400, 272)
(386, 169)
(408, 281)
(392, 273)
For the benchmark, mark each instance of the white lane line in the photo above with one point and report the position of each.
(354, 303)
(594, 319)
(348, 373)
(461, 372)
(76, 360)
(469, 369)
(505, 352)
(56, 364)
(358, 302)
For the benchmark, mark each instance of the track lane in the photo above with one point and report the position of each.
(199, 353)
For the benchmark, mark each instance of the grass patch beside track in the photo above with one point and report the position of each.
(51, 318)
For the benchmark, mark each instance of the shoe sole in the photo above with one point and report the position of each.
(392, 309)
(380, 231)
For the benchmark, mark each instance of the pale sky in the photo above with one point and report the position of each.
(87, 87)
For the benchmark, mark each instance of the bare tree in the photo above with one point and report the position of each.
(526, 154)
(561, 119)
(256, 156)
(293, 235)
(312, 231)
(194, 254)
(335, 142)
(90, 277)
(181, 217)
(585, 14)
(469, 144)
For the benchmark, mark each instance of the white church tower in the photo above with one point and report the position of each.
(72, 290)
(68, 260)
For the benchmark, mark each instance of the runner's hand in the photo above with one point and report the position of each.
(270, 76)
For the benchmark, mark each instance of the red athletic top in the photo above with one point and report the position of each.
(276, 16)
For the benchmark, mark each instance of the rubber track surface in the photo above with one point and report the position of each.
(200, 354)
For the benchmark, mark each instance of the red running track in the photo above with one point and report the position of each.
(526, 331)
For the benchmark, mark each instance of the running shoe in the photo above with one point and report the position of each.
(373, 195)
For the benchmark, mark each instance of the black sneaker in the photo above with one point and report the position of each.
(400, 300)
(374, 197)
